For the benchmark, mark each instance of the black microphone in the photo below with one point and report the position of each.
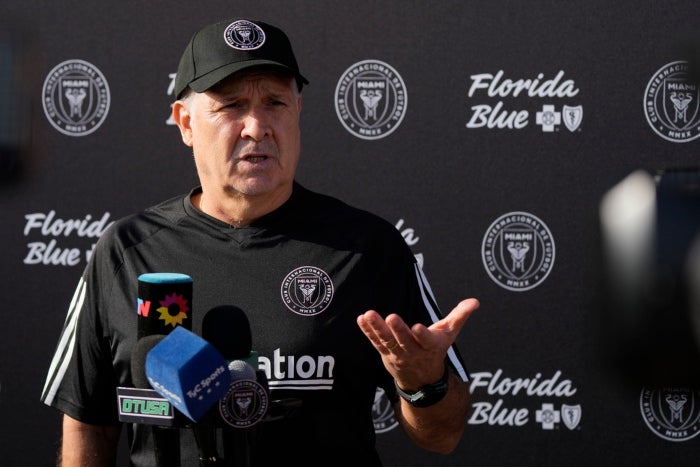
(166, 440)
(164, 301)
(227, 328)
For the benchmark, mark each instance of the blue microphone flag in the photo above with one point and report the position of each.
(188, 371)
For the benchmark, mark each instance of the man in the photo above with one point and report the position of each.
(241, 236)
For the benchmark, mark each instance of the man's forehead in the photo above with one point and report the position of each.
(270, 77)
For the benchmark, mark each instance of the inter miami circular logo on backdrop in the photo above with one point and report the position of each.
(383, 413)
(370, 99)
(244, 35)
(672, 103)
(671, 413)
(518, 251)
(76, 97)
(307, 290)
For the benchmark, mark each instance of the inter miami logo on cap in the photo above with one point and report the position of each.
(244, 35)
(307, 290)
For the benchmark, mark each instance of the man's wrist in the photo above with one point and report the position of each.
(429, 394)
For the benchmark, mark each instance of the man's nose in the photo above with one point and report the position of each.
(256, 125)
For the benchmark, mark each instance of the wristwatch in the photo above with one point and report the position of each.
(427, 395)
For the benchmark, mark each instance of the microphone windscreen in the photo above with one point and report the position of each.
(138, 359)
(227, 328)
(164, 302)
(188, 371)
(239, 369)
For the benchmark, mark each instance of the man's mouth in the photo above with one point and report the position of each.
(255, 159)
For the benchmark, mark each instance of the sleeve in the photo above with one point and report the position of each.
(81, 379)
(419, 305)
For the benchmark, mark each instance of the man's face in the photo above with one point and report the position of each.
(245, 134)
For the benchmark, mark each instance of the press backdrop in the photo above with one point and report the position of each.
(499, 127)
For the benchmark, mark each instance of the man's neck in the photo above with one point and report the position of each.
(239, 210)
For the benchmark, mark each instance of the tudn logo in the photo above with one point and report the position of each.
(307, 290)
(76, 98)
(370, 99)
(671, 413)
(672, 103)
(518, 251)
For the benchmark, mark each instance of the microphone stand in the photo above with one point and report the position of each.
(166, 446)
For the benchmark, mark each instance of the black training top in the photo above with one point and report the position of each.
(308, 341)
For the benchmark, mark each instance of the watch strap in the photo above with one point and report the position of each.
(429, 394)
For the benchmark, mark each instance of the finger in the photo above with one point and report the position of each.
(459, 315)
(378, 332)
(451, 324)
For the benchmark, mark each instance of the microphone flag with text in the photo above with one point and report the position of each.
(188, 371)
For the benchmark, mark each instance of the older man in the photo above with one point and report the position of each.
(252, 237)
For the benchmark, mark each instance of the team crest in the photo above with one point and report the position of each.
(370, 99)
(244, 35)
(76, 98)
(245, 404)
(671, 413)
(518, 251)
(572, 117)
(672, 103)
(383, 413)
(307, 290)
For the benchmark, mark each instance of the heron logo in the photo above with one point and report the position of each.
(371, 99)
(245, 404)
(76, 98)
(307, 290)
(244, 35)
(672, 103)
(518, 251)
(671, 413)
(383, 413)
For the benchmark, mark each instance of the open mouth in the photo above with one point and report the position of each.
(255, 159)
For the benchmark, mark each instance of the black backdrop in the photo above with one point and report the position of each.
(455, 179)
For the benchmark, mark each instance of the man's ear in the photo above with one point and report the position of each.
(182, 119)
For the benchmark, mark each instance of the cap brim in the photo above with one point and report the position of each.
(205, 82)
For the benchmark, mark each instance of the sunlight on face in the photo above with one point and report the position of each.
(245, 135)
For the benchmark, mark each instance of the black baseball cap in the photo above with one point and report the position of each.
(221, 49)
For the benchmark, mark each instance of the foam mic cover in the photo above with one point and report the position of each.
(164, 302)
(239, 369)
(188, 371)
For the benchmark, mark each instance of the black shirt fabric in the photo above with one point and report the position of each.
(316, 355)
